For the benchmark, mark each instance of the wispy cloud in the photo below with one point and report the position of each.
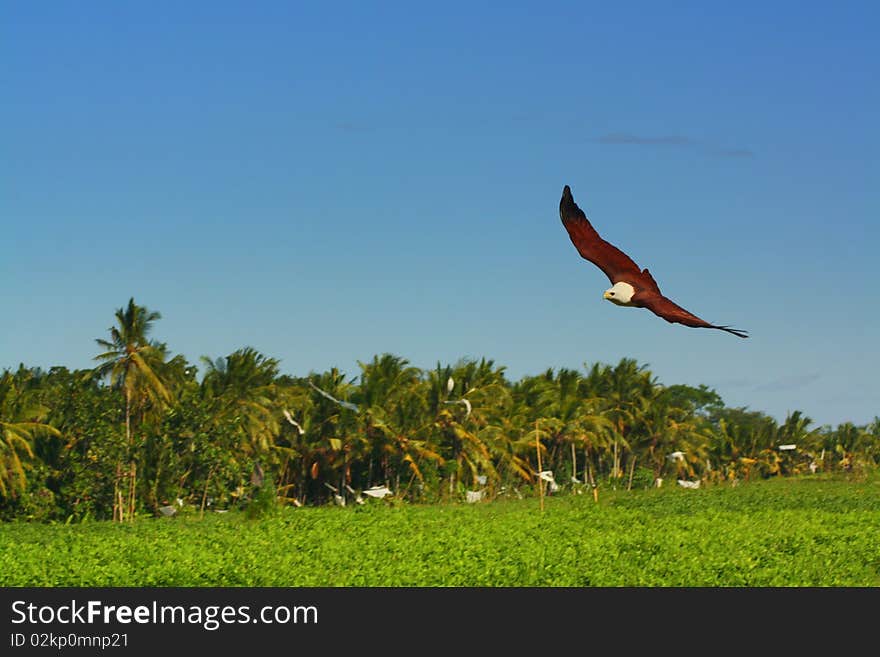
(792, 382)
(734, 383)
(734, 152)
(628, 138)
(352, 126)
(682, 141)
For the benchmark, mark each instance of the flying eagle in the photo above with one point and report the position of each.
(630, 286)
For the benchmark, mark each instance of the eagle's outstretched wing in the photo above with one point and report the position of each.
(607, 257)
(672, 312)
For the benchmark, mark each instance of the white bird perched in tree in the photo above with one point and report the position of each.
(378, 491)
(357, 496)
(467, 405)
(473, 496)
(675, 456)
(547, 475)
(294, 422)
(339, 499)
(450, 384)
(344, 404)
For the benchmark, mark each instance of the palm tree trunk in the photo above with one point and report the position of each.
(128, 418)
(614, 463)
(117, 509)
(588, 474)
(205, 492)
(123, 507)
(131, 491)
(588, 478)
(154, 489)
(540, 481)
(632, 469)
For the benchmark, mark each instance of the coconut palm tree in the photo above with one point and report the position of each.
(746, 440)
(669, 426)
(848, 441)
(624, 389)
(131, 362)
(21, 421)
(244, 398)
(570, 418)
(467, 422)
(245, 406)
(333, 421)
(393, 416)
(872, 441)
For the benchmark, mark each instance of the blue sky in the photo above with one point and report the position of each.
(328, 181)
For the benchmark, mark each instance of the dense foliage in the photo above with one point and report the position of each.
(813, 530)
(145, 431)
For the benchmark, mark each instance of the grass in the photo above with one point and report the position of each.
(810, 531)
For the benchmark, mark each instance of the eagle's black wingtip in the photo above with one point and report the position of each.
(566, 203)
(737, 332)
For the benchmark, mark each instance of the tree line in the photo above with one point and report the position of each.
(144, 431)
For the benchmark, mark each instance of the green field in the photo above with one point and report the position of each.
(809, 531)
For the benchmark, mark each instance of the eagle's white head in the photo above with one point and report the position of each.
(620, 293)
